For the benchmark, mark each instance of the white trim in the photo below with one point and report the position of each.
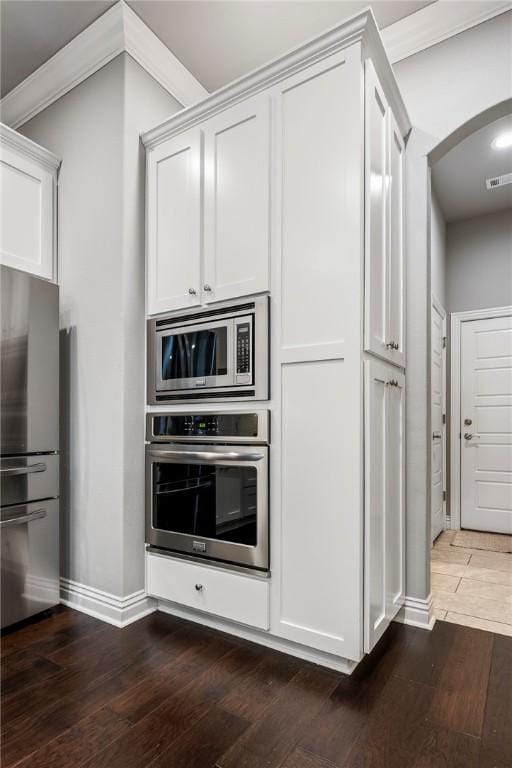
(338, 663)
(119, 30)
(437, 22)
(28, 148)
(119, 611)
(417, 612)
(436, 304)
(358, 28)
(455, 426)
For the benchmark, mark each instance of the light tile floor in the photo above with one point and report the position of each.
(472, 586)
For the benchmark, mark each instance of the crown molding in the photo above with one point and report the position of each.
(117, 31)
(18, 143)
(358, 28)
(437, 22)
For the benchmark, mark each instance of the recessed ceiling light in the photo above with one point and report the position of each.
(502, 141)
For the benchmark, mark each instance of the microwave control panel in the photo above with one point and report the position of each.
(243, 348)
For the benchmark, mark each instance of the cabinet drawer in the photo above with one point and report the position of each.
(243, 599)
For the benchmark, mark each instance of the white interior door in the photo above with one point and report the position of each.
(438, 320)
(486, 425)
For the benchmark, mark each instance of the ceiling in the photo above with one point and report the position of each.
(216, 40)
(459, 177)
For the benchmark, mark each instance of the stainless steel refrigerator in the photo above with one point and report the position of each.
(29, 445)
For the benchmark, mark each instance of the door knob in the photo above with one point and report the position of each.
(436, 436)
(199, 587)
(207, 287)
(468, 436)
(192, 291)
(468, 422)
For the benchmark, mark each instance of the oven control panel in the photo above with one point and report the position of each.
(222, 427)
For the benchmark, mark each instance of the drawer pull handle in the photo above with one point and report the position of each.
(199, 587)
(29, 469)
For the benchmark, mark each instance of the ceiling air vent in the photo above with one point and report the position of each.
(499, 181)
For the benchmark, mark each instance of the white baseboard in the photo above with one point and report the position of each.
(119, 611)
(339, 664)
(417, 613)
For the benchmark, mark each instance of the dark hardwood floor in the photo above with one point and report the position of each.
(166, 693)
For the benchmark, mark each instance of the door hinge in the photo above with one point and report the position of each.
(444, 418)
(444, 495)
(444, 342)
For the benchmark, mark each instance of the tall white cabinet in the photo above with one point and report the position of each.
(28, 205)
(291, 181)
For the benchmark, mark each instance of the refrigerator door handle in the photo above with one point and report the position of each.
(28, 470)
(37, 514)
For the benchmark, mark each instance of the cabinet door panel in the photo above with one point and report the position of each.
(395, 299)
(375, 428)
(395, 495)
(27, 214)
(320, 523)
(319, 132)
(376, 229)
(237, 201)
(174, 223)
(384, 498)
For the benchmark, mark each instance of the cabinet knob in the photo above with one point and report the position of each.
(207, 287)
(199, 587)
(192, 291)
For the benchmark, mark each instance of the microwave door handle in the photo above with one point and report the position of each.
(207, 455)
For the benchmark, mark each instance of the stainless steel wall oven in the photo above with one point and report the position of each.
(217, 353)
(207, 486)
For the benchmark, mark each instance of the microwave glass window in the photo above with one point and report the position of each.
(205, 500)
(196, 354)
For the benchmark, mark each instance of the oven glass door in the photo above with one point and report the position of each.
(195, 356)
(211, 501)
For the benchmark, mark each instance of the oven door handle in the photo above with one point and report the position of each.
(207, 455)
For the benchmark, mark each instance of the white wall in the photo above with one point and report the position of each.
(94, 129)
(438, 251)
(479, 262)
(451, 82)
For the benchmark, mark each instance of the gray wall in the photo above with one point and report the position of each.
(438, 251)
(479, 262)
(95, 130)
(451, 82)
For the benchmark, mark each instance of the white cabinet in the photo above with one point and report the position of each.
(174, 223)
(243, 599)
(384, 498)
(301, 178)
(28, 197)
(237, 201)
(208, 210)
(384, 277)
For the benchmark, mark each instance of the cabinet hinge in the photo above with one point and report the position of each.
(444, 495)
(444, 418)
(444, 342)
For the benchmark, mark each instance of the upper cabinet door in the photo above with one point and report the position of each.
(384, 227)
(395, 301)
(237, 201)
(27, 213)
(376, 214)
(174, 223)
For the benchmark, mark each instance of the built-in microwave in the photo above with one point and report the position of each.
(218, 353)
